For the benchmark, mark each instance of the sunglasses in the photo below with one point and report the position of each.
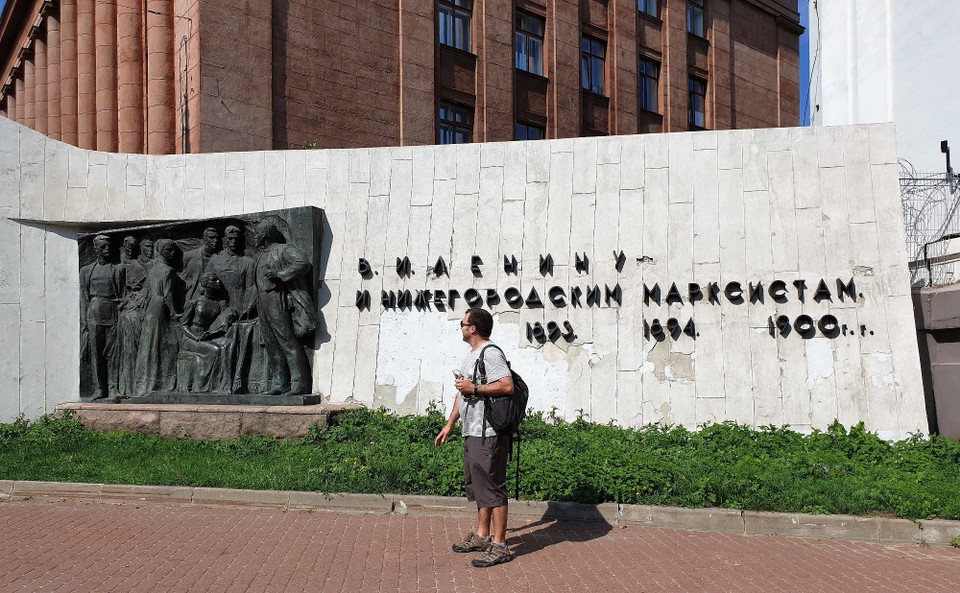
(462, 324)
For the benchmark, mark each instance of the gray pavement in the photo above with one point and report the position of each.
(66, 546)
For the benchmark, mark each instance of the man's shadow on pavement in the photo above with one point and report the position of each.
(562, 522)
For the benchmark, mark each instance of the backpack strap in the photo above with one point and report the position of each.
(480, 369)
(516, 482)
(480, 378)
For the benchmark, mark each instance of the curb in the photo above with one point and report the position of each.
(840, 527)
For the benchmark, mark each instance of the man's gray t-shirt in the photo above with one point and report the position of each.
(496, 367)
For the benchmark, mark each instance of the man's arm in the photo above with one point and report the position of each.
(500, 379)
(295, 264)
(451, 422)
(500, 387)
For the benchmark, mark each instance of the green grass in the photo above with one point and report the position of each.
(724, 465)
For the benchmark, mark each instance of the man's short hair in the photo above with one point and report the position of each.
(482, 320)
(101, 239)
(232, 230)
(211, 229)
(271, 231)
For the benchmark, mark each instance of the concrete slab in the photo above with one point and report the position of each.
(56, 490)
(582, 513)
(722, 520)
(900, 531)
(269, 499)
(354, 503)
(147, 494)
(819, 526)
(446, 506)
(936, 531)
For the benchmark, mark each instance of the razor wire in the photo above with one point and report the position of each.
(930, 202)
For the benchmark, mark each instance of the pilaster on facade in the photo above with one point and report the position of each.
(74, 70)
(132, 75)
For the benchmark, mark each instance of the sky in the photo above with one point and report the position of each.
(804, 62)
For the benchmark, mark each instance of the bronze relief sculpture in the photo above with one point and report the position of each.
(220, 316)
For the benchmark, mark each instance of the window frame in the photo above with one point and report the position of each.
(454, 125)
(522, 32)
(644, 6)
(695, 9)
(588, 60)
(643, 77)
(692, 102)
(528, 126)
(456, 12)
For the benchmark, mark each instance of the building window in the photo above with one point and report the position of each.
(649, 7)
(697, 102)
(454, 17)
(529, 132)
(528, 44)
(695, 17)
(592, 52)
(649, 75)
(456, 124)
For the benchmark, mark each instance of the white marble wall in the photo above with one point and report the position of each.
(751, 205)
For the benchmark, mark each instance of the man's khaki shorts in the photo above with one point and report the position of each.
(485, 470)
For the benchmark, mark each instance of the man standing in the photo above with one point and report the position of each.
(236, 271)
(484, 451)
(101, 288)
(195, 261)
(285, 310)
(135, 271)
(146, 254)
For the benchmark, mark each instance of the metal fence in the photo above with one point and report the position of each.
(932, 222)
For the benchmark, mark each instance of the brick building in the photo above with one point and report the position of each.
(162, 76)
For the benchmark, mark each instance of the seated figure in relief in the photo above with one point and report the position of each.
(203, 365)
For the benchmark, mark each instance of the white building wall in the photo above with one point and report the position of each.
(878, 61)
(747, 206)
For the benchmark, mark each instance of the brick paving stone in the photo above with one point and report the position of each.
(76, 546)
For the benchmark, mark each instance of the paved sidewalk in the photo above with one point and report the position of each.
(81, 546)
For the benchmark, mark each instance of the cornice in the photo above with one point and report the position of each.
(18, 24)
(787, 18)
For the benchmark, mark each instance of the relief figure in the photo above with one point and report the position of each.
(101, 289)
(285, 310)
(159, 336)
(202, 366)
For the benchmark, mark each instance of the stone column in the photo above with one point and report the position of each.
(30, 92)
(53, 75)
(160, 91)
(68, 71)
(20, 94)
(130, 75)
(40, 72)
(86, 76)
(106, 78)
(12, 106)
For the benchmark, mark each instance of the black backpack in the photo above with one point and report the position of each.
(505, 413)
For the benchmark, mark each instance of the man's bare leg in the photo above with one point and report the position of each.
(500, 524)
(483, 521)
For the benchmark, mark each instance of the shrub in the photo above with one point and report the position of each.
(837, 470)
